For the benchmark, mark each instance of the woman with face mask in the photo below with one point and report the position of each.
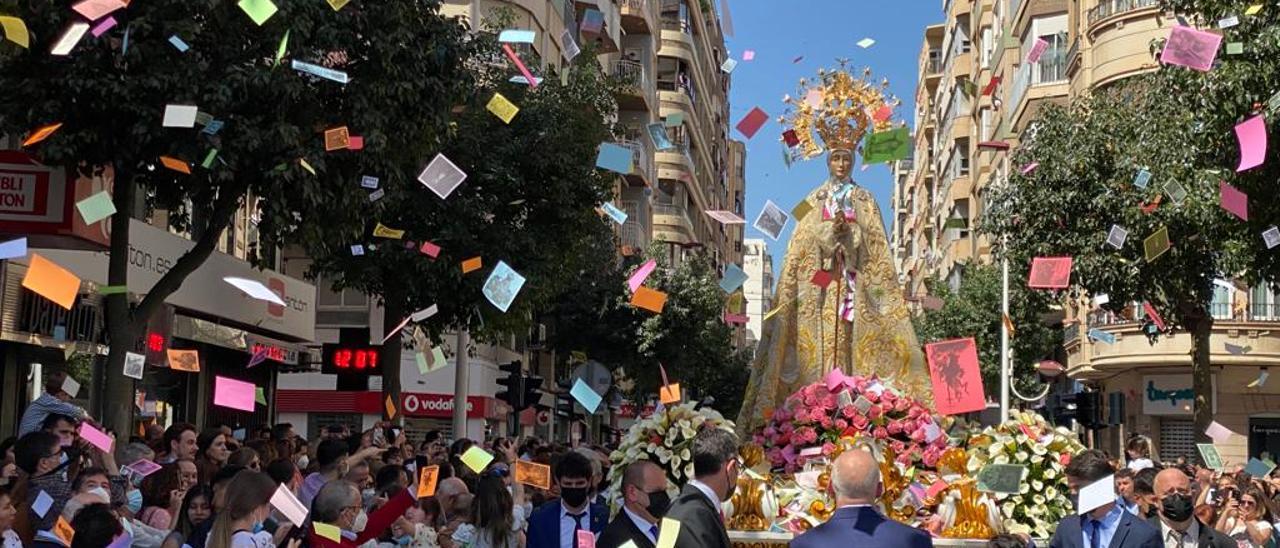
(239, 524)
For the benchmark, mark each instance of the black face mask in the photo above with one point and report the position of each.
(573, 496)
(1176, 507)
(658, 503)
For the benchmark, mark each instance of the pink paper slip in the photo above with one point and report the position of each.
(642, 273)
(1252, 135)
(234, 394)
(1191, 48)
(1037, 50)
(96, 437)
(752, 122)
(1234, 200)
(1050, 273)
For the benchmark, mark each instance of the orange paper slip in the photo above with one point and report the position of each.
(649, 299)
(532, 473)
(47, 279)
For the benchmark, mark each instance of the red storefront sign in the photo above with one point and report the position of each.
(412, 404)
(38, 201)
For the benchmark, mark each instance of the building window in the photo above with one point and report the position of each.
(1052, 66)
(1220, 308)
(988, 46)
(1177, 439)
(1262, 303)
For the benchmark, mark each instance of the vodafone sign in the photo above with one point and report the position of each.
(439, 406)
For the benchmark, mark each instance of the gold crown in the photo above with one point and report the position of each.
(842, 110)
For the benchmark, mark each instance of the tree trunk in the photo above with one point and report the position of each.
(393, 312)
(117, 405)
(125, 322)
(1199, 324)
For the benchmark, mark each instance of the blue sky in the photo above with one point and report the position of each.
(822, 31)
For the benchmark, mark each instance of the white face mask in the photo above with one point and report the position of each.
(362, 521)
(101, 493)
(303, 461)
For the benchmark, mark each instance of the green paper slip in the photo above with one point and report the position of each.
(1001, 478)
(112, 289)
(208, 159)
(96, 208)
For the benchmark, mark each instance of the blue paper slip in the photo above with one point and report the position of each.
(1259, 468)
(317, 70)
(660, 139)
(733, 278)
(586, 397)
(517, 36)
(502, 286)
(614, 158)
(1102, 336)
(619, 216)
(13, 248)
(178, 43)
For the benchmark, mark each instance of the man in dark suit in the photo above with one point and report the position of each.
(855, 475)
(1175, 518)
(645, 501)
(697, 508)
(556, 523)
(1107, 526)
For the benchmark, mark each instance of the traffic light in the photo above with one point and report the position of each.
(532, 392)
(1089, 410)
(513, 382)
(564, 402)
(1062, 408)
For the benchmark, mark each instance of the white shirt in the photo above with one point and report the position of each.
(245, 539)
(567, 524)
(643, 525)
(1172, 538)
(708, 491)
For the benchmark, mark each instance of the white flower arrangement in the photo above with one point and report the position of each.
(1028, 440)
(666, 438)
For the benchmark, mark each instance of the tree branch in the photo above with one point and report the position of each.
(224, 209)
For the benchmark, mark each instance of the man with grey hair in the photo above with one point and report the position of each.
(339, 503)
(857, 521)
(134, 452)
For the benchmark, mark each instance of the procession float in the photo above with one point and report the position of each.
(838, 367)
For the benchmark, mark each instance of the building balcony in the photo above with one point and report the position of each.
(642, 169)
(1256, 328)
(671, 223)
(640, 16)
(1120, 38)
(1108, 9)
(636, 92)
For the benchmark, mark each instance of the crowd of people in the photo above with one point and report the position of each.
(179, 487)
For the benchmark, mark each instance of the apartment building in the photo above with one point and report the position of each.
(758, 289)
(977, 96)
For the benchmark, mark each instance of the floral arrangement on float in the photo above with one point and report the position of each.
(666, 437)
(1028, 440)
(813, 420)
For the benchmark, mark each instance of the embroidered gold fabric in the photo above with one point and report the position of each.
(800, 345)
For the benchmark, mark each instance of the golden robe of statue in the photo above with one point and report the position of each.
(859, 322)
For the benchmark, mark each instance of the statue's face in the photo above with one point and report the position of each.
(840, 164)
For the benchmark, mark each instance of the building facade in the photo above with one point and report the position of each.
(758, 289)
(977, 96)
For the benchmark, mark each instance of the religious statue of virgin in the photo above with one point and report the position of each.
(837, 303)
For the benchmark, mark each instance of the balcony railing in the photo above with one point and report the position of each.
(631, 73)
(641, 157)
(933, 66)
(1107, 8)
(1074, 50)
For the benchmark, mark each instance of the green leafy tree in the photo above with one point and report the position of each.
(1178, 125)
(529, 200)
(973, 310)
(111, 93)
(689, 338)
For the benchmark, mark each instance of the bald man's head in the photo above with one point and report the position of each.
(448, 490)
(856, 478)
(1171, 480)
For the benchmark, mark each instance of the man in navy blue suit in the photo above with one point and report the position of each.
(855, 475)
(1107, 526)
(556, 523)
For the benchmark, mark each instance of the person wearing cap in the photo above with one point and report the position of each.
(54, 400)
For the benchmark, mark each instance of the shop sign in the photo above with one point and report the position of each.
(1171, 394)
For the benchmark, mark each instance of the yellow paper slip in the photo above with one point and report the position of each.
(668, 533)
(47, 279)
(501, 107)
(331, 532)
(476, 458)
